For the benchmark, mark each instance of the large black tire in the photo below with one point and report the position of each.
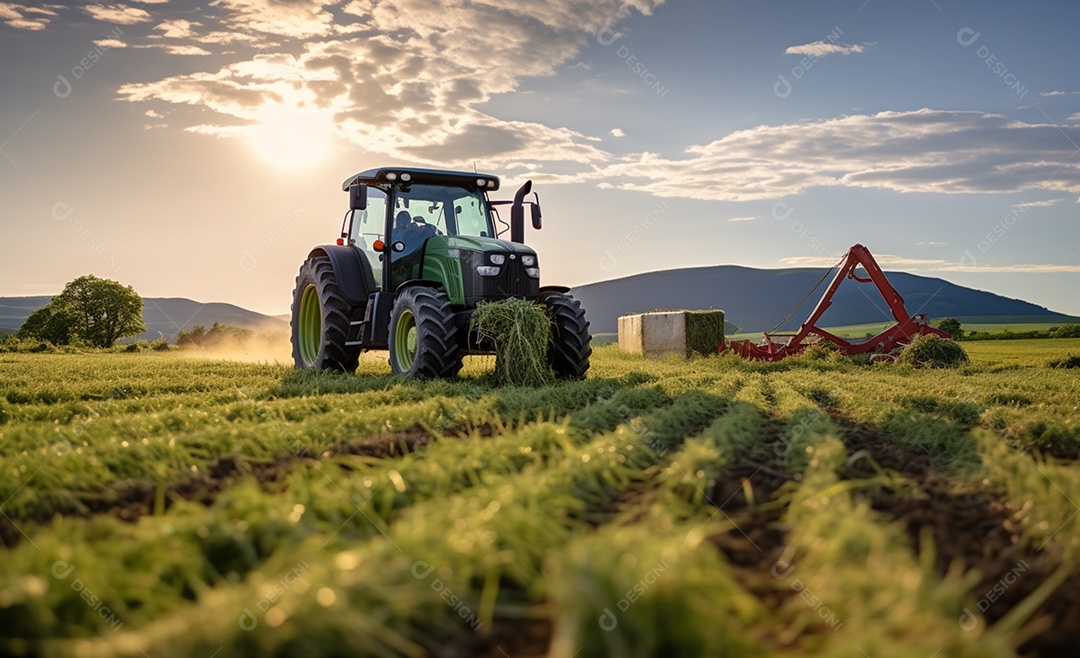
(320, 320)
(569, 348)
(423, 336)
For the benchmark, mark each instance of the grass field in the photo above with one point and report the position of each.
(154, 505)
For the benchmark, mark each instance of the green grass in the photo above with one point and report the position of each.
(163, 505)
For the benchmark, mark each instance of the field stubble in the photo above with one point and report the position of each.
(177, 506)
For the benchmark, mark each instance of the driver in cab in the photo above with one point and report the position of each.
(411, 231)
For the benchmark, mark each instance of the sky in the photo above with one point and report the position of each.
(197, 149)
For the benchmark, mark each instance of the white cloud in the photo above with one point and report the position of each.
(741, 219)
(184, 50)
(407, 79)
(296, 19)
(1058, 92)
(110, 43)
(617, 132)
(949, 152)
(823, 48)
(176, 29)
(1038, 204)
(938, 265)
(26, 17)
(117, 14)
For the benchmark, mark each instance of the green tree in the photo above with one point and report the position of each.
(950, 326)
(55, 322)
(96, 311)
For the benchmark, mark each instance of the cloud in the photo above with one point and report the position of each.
(297, 19)
(938, 265)
(117, 14)
(1058, 92)
(1038, 204)
(401, 77)
(942, 151)
(823, 48)
(173, 49)
(742, 219)
(617, 132)
(25, 17)
(110, 43)
(176, 29)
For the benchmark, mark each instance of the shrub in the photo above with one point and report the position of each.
(1066, 331)
(520, 331)
(933, 352)
(950, 326)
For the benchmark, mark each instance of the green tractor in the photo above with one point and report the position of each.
(418, 250)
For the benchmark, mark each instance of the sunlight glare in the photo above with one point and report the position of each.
(292, 138)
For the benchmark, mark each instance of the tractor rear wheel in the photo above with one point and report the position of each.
(320, 320)
(569, 346)
(423, 337)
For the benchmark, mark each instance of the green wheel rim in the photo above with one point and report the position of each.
(310, 325)
(405, 340)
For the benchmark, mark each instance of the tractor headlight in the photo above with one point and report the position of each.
(497, 259)
(534, 272)
(528, 260)
(487, 270)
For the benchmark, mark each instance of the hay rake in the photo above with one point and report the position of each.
(777, 345)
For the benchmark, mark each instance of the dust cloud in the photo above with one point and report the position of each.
(266, 343)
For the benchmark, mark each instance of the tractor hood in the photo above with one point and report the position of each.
(487, 244)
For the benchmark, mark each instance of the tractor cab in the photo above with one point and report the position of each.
(419, 224)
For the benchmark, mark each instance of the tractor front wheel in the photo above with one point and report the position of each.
(423, 337)
(320, 320)
(569, 346)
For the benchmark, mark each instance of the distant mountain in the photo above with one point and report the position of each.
(756, 299)
(164, 316)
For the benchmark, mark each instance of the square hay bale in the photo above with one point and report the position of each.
(659, 334)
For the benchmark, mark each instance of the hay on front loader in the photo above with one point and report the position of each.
(520, 331)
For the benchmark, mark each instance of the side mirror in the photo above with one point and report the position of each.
(536, 215)
(358, 196)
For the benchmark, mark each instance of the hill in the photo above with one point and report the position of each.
(756, 299)
(164, 316)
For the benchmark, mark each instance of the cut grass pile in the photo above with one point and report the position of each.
(520, 331)
(933, 352)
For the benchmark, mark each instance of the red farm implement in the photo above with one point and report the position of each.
(778, 345)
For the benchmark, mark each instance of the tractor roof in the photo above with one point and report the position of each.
(429, 176)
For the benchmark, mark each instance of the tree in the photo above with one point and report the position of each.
(96, 311)
(950, 326)
(54, 322)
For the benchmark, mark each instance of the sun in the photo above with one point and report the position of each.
(292, 138)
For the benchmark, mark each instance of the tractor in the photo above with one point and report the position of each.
(418, 250)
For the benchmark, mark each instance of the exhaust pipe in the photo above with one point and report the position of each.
(517, 213)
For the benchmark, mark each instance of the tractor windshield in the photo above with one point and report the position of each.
(449, 210)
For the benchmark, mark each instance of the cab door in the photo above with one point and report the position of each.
(367, 227)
